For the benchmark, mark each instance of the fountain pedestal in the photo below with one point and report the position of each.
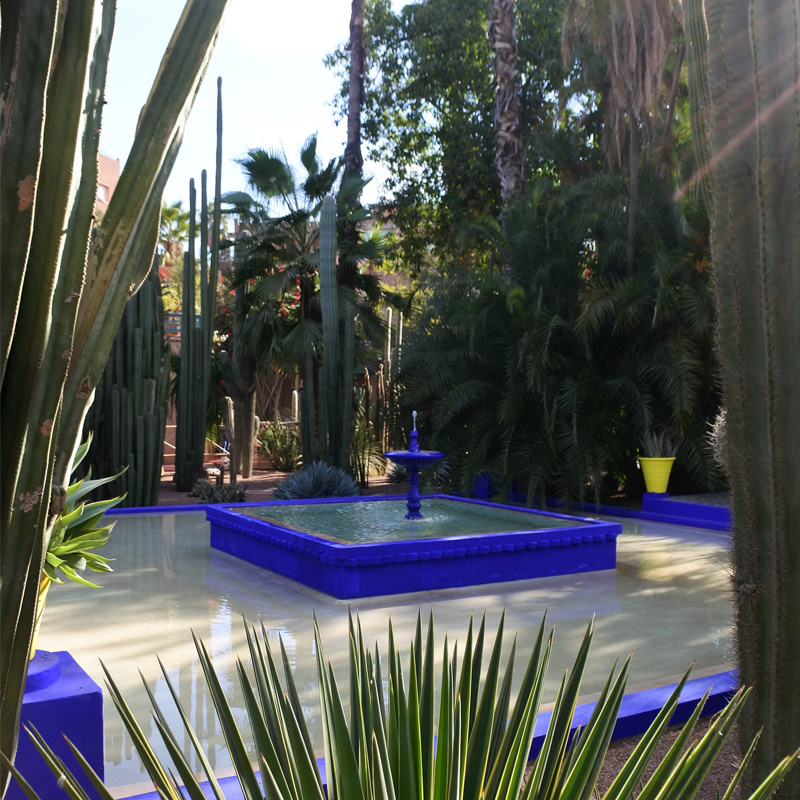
(413, 459)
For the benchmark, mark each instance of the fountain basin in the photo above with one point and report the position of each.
(528, 544)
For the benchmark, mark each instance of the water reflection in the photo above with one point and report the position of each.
(667, 601)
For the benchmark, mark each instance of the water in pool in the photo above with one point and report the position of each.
(383, 521)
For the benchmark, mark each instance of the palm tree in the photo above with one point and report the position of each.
(173, 234)
(353, 160)
(635, 39)
(278, 260)
(509, 156)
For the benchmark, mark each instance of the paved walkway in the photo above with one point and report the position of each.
(259, 488)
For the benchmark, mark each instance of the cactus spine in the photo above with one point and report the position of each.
(63, 290)
(129, 414)
(197, 331)
(743, 61)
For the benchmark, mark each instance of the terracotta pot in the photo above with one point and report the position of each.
(656, 473)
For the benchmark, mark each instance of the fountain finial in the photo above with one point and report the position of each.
(413, 443)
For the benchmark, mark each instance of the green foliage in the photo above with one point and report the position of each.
(317, 479)
(550, 384)
(428, 112)
(281, 443)
(208, 492)
(366, 451)
(197, 330)
(65, 281)
(129, 414)
(658, 445)
(76, 532)
(400, 743)
(744, 102)
(277, 263)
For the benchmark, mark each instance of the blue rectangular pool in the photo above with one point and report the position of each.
(357, 547)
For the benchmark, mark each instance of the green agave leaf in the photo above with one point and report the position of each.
(591, 749)
(773, 780)
(173, 744)
(233, 739)
(78, 490)
(671, 759)
(500, 722)
(71, 786)
(68, 518)
(514, 769)
(94, 778)
(380, 791)
(379, 746)
(74, 576)
(742, 768)
(348, 779)
(685, 780)
(85, 541)
(268, 687)
(550, 759)
(150, 761)
(269, 760)
(309, 780)
(444, 740)
(531, 690)
(482, 727)
(190, 781)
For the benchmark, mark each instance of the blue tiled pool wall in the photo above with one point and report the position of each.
(655, 506)
(366, 570)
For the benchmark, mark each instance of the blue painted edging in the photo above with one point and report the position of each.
(375, 569)
(59, 698)
(637, 712)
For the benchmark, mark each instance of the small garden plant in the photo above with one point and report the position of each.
(317, 480)
(281, 442)
(416, 735)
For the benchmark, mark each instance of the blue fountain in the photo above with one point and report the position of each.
(413, 459)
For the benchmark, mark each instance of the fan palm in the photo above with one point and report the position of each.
(277, 261)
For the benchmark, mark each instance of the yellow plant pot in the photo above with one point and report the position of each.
(44, 588)
(656, 473)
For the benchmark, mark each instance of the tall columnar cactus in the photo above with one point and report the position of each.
(129, 414)
(197, 330)
(62, 290)
(336, 372)
(240, 382)
(743, 58)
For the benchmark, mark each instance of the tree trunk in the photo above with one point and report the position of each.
(353, 161)
(509, 156)
(633, 193)
(743, 82)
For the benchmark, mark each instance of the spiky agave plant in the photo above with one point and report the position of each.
(478, 748)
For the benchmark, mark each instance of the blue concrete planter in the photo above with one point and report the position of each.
(60, 698)
(374, 569)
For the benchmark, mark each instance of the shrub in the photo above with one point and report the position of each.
(317, 480)
(476, 746)
(281, 443)
(208, 492)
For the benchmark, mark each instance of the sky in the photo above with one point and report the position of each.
(276, 90)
